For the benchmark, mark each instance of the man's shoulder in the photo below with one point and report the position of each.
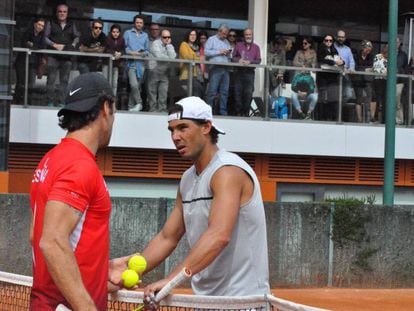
(80, 159)
(129, 31)
(230, 158)
(157, 42)
(344, 48)
(102, 36)
(239, 45)
(212, 38)
(86, 37)
(402, 53)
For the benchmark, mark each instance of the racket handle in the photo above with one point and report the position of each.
(177, 280)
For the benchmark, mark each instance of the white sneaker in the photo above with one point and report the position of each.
(137, 107)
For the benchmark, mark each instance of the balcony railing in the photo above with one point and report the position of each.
(270, 100)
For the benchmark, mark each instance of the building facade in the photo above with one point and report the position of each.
(294, 160)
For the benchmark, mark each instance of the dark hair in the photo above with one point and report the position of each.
(328, 34)
(73, 120)
(233, 30)
(213, 133)
(187, 35)
(202, 33)
(98, 21)
(279, 40)
(116, 26)
(36, 20)
(39, 19)
(309, 39)
(138, 16)
(153, 24)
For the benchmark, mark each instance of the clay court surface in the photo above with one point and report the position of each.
(348, 299)
(352, 299)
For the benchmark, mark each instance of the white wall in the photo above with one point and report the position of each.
(142, 188)
(149, 130)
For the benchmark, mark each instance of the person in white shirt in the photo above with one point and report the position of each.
(158, 72)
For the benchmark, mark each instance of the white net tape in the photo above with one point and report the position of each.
(179, 301)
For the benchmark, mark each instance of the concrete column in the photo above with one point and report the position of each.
(258, 20)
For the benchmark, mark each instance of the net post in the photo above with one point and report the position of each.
(331, 245)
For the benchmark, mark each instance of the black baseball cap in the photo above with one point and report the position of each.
(83, 92)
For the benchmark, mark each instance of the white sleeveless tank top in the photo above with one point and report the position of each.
(242, 267)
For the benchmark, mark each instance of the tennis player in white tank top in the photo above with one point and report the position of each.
(219, 206)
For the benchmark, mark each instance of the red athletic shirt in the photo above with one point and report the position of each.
(68, 173)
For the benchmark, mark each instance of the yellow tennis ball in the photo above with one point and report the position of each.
(137, 263)
(130, 278)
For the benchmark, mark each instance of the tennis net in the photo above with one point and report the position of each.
(15, 293)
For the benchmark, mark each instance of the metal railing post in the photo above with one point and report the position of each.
(331, 246)
(190, 79)
(26, 79)
(110, 69)
(410, 101)
(341, 81)
(266, 93)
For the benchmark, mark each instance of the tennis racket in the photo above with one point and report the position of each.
(184, 275)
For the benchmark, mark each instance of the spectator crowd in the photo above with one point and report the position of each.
(145, 79)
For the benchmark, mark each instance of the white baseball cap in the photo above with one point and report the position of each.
(194, 108)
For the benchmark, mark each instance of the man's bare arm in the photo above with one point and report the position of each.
(59, 221)
(159, 248)
(227, 185)
(162, 245)
(231, 187)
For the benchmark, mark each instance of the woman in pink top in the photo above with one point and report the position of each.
(202, 39)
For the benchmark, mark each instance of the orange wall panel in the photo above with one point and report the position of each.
(268, 189)
(4, 182)
(19, 182)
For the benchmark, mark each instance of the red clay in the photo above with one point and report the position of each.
(351, 299)
(348, 299)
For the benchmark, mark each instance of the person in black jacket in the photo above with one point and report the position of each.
(60, 35)
(364, 61)
(327, 81)
(402, 85)
(33, 38)
(94, 41)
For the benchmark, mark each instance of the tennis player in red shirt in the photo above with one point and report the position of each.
(71, 205)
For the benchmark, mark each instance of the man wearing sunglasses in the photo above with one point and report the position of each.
(158, 75)
(92, 42)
